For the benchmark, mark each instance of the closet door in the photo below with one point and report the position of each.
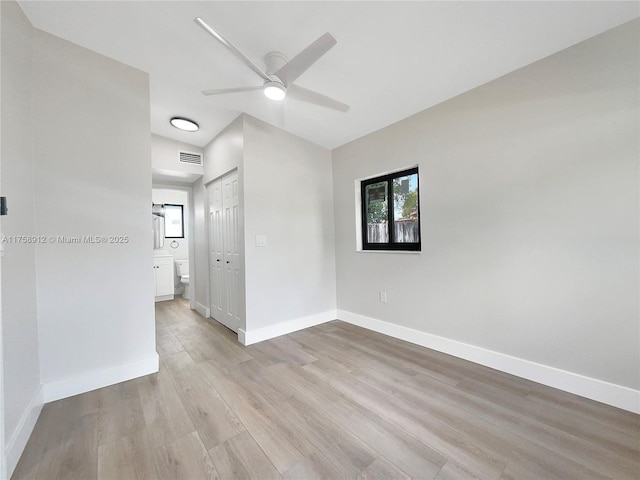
(231, 249)
(216, 270)
(224, 251)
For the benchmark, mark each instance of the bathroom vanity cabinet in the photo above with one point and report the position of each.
(163, 277)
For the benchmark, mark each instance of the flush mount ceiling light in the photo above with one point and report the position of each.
(185, 124)
(274, 90)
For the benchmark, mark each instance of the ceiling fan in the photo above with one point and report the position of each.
(279, 75)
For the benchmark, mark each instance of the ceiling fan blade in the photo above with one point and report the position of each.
(309, 96)
(301, 62)
(221, 91)
(232, 48)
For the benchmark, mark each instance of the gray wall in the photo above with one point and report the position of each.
(223, 154)
(288, 197)
(93, 177)
(529, 204)
(164, 156)
(175, 197)
(19, 316)
(200, 262)
(285, 194)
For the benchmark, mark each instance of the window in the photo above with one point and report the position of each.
(173, 221)
(391, 211)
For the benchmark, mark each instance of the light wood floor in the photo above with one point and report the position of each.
(332, 401)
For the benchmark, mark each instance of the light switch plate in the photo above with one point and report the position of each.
(261, 240)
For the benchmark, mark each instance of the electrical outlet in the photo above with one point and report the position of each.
(383, 297)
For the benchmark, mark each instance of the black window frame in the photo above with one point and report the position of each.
(182, 219)
(392, 245)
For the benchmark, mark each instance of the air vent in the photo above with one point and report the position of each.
(190, 158)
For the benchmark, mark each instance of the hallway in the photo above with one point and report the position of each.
(332, 401)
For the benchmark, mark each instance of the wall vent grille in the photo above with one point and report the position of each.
(190, 157)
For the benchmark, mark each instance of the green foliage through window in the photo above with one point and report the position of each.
(391, 223)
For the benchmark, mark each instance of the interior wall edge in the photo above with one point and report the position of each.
(95, 379)
(615, 395)
(20, 436)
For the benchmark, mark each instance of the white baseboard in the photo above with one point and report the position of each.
(202, 310)
(162, 298)
(93, 380)
(20, 436)
(247, 337)
(594, 389)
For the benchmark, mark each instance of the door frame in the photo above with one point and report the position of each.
(191, 232)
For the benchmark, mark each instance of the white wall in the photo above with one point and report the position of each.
(3, 462)
(22, 393)
(164, 155)
(181, 251)
(529, 205)
(223, 154)
(93, 177)
(175, 197)
(286, 195)
(200, 260)
(288, 198)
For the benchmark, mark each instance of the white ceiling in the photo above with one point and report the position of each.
(392, 59)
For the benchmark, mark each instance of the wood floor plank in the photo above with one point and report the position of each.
(204, 345)
(332, 401)
(313, 466)
(248, 407)
(214, 420)
(501, 442)
(167, 343)
(415, 458)
(120, 413)
(128, 457)
(29, 462)
(438, 435)
(314, 431)
(347, 452)
(383, 469)
(184, 458)
(241, 457)
(283, 449)
(165, 416)
(77, 457)
(318, 346)
(510, 414)
(256, 416)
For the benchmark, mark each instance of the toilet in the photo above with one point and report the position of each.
(182, 269)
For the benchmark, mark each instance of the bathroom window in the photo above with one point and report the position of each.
(173, 221)
(391, 211)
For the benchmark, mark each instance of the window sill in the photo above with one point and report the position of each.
(411, 252)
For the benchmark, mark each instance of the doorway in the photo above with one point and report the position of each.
(178, 241)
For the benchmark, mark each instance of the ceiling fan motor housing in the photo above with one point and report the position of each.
(274, 61)
(274, 89)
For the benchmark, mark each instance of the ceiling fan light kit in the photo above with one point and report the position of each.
(280, 73)
(275, 90)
